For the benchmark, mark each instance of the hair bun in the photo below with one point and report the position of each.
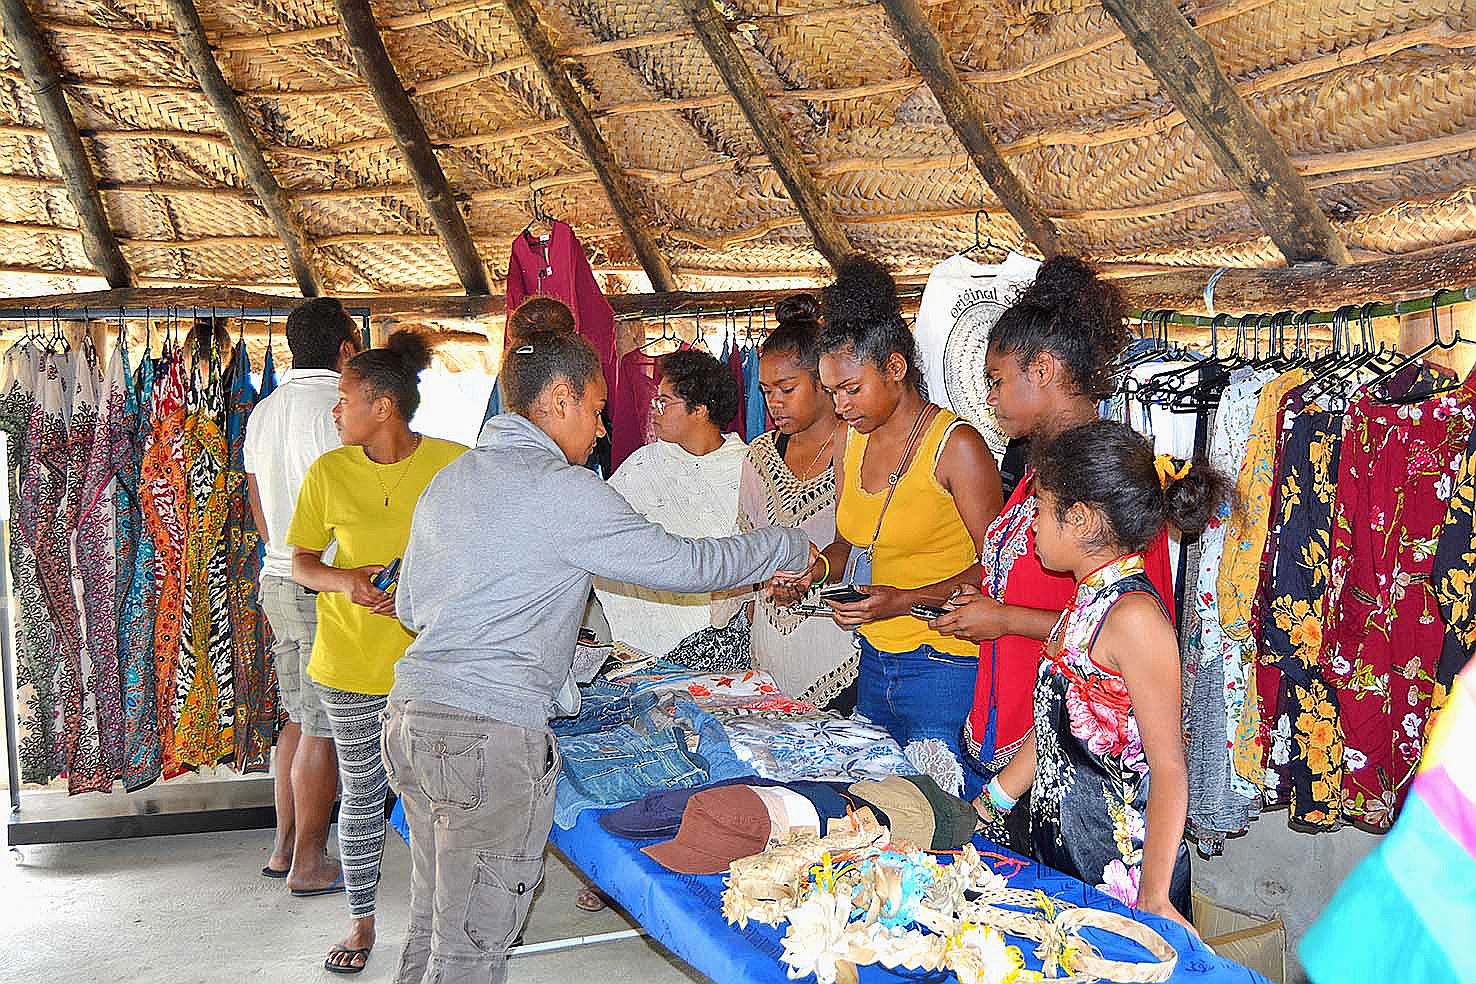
(413, 348)
(798, 311)
(863, 293)
(1191, 502)
(1061, 282)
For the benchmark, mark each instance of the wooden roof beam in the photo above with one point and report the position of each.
(254, 166)
(1239, 140)
(596, 150)
(771, 131)
(41, 73)
(357, 22)
(925, 49)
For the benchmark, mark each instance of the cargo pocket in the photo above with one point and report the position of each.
(451, 767)
(501, 892)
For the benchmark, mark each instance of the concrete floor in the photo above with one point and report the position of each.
(195, 908)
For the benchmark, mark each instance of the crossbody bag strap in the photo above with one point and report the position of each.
(919, 427)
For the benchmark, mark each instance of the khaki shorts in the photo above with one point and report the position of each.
(292, 612)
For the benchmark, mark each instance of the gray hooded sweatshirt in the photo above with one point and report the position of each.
(503, 547)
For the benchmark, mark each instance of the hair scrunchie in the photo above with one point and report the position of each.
(1170, 469)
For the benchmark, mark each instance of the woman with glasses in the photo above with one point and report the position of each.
(687, 482)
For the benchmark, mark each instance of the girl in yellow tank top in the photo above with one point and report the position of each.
(922, 539)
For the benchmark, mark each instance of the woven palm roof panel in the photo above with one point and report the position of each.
(1374, 102)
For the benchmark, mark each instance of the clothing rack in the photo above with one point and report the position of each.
(1385, 309)
(225, 804)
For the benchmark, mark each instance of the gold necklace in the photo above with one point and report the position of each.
(403, 472)
(816, 460)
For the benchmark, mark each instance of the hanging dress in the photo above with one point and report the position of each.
(258, 709)
(1089, 801)
(204, 681)
(1383, 631)
(165, 496)
(35, 633)
(88, 770)
(96, 554)
(137, 591)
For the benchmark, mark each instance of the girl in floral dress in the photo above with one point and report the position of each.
(1107, 696)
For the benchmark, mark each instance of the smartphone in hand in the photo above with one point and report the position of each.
(845, 594)
(928, 612)
(387, 577)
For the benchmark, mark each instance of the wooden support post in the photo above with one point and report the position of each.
(777, 141)
(39, 68)
(357, 21)
(596, 150)
(254, 167)
(926, 51)
(1240, 142)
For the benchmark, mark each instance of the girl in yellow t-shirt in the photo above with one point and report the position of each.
(361, 498)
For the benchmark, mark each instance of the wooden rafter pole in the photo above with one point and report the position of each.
(596, 150)
(356, 20)
(910, 19)
(771, 131)
(1240, 142)
(40, 70)
(254, 166)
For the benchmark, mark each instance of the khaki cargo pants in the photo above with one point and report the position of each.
(479, 800)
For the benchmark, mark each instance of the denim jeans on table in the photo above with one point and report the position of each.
(622, 765)
(922, 698)
(604, 706)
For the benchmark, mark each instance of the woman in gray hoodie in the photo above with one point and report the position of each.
(505, 543)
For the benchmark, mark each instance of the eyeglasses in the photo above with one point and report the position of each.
(660, 402)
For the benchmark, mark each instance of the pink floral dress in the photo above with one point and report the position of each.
(1089, 803)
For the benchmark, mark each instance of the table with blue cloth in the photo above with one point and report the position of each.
(684, 913)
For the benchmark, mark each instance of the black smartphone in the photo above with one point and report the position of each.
(843, 593)
(928, 612)
(386, 577)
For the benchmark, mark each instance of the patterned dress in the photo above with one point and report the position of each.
(1383, 632)
(82, 676)
(1089, 801)
(97, 559)
(1455, 573)
(137, 593)
(35, 633)
(204, 681)
(164, 492)
(257, 709)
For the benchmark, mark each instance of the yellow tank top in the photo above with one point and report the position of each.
(923, 538)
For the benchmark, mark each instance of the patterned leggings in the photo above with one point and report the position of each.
(357, 728)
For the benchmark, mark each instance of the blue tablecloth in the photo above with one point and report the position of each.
(684, 912)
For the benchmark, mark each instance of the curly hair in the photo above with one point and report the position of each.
(1074, 315)
(544, 357)
(394, 370)
(702, 381)
(864, 316)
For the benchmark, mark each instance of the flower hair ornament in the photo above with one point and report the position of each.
(1170, 469)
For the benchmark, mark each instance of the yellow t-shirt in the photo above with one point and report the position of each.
(343, 500)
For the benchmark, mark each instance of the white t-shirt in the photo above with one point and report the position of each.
(689, 495)
(961, 303)
(286, 433)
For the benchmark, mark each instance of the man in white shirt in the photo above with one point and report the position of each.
(285, 434)
(687, 481)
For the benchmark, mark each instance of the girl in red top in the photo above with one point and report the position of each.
(1049, 362)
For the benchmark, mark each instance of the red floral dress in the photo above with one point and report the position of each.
(1384, 631)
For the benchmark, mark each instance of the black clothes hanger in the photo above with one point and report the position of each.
(982, 240)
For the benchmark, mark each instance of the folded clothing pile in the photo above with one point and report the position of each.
(837, 750)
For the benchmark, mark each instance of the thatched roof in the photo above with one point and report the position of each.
(1373, 103)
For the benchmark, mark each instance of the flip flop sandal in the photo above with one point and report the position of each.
(349, 968)
(589, 900)
(311, 893)
(270, 872)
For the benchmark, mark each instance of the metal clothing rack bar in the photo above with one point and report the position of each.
(361, 314)
(243, 803)
(1384, 309)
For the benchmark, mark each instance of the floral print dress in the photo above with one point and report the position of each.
(1384, 632)
(1089, 801)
